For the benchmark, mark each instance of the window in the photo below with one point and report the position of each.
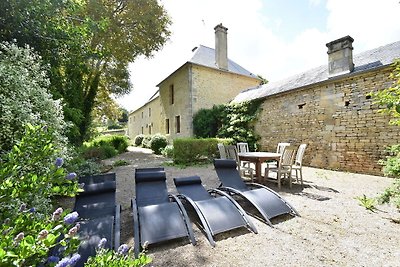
(142, 130)
(167, 126)
(142, 114)
(171, 94)
(134, 118)
(149, 112)
(149, 129)
(178, 124)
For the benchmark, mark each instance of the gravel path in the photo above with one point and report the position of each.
(333, 230)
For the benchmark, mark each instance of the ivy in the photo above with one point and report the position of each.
(234, 121)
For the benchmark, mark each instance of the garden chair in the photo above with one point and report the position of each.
(157, 215)
(283, 168)
(99, 213)
(231, 152)
(268, 203)
(298, 163)
(222, 151)
(243, 148)
(217, 211)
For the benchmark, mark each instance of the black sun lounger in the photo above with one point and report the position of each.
(269, 203)
(217, 214)
(99, 213)
(157, 215)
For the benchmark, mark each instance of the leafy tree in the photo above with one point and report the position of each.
(24, 97)
(87, 44)
(390, 99)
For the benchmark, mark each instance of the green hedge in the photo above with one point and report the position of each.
(191, 150)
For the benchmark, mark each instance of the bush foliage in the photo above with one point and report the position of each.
(158, 142)
(235, 121)
(138, 139)
(24, 97)
(105, 146)
(191, 150)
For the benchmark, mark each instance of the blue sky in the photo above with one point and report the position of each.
(272, 38)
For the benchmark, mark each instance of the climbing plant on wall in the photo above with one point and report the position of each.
(235, 121)
(390, 99)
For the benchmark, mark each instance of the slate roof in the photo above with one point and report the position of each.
(365, 61)
(205, 56)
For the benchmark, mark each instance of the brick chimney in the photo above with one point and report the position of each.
(221, 47)
(340, 55)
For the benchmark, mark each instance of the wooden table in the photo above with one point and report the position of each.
(258, 158)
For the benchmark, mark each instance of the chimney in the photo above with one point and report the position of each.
(221, 47)
(340, 56)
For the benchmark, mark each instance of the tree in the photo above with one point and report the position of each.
(390, 99)
(88, 45)
(24, 97)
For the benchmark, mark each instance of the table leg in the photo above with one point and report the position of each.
(258, 171)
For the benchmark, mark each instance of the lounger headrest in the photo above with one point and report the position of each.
(187, 180)
(141, 177)
(97, 188)
(224, 163)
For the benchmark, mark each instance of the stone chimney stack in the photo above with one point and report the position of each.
(221, 47)
(340, 55)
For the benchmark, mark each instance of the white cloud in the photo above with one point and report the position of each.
(253, 44)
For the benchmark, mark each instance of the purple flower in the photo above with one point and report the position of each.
(32, 210)
(59, 162)
(73, 231)
(74, 259)
(57, 214)
(22, 207)
(78, 226)
(102, 243)
(53, 259)
(43, 234)
(63, 263)
(19, 237)
(71, 176)
(71, 218)
(123, 249)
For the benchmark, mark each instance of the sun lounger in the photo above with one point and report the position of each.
(99, 214)
(269, 203)
(157, 215)
(217, 214)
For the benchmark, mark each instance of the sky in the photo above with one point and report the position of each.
(274, 39)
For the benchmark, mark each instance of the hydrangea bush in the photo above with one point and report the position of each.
(120, 258)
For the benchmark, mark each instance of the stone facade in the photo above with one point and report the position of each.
(336, 119)
(197, 87)
(145, 120)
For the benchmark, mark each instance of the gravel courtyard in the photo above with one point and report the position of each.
(333, 230)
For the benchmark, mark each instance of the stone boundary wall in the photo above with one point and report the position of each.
(337, 120)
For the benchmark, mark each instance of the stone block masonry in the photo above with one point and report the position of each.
(339, 122)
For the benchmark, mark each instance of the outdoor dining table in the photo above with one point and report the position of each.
(258, 158)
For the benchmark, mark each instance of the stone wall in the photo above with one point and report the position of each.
(145, 120)
(337, 120)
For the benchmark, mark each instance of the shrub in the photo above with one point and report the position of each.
(146, 141)
(31, 166)
(158, 142)
(191, 150)
(168, 151)
(105, 146)
(138, 139)
(27, 239)
(206, 122)
(120, 258)
(24, 97)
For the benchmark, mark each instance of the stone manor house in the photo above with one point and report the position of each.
(327, 107)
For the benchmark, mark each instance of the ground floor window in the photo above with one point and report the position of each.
(178, 124)
(167, 126)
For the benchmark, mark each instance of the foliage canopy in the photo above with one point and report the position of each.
(88, 46)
